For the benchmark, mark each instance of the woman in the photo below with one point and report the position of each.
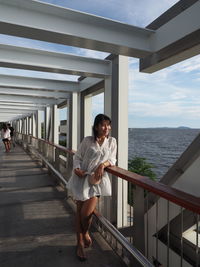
(89, 179)
(5, 134)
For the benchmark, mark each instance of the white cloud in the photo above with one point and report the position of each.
(91, 53)
(165, 110)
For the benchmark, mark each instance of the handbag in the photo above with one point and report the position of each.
(93, 180)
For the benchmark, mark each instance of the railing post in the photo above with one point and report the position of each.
(57, 159)
(138, 219)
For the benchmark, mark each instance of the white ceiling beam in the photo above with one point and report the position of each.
(18, 107)
(23, 105)
(45, 22)
(28, 99)
(37, 83)
(33, 93)
(177, 28)
(177, 36)
(40, 60)
(16, 111)
(88, 82)
(11, 117)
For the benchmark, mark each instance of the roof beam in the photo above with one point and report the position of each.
(40, 60)
(23, 105)
(38, 83)
(11, 117)
(45, 22)
(18, 107)
(32, 93)
(16, 111)
(28, 99)
(177, 36)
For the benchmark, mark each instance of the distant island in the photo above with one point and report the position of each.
(183, 127)
(165, 127)
(179, 127)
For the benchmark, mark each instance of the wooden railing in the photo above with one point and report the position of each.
(176, 196)
(150, 237)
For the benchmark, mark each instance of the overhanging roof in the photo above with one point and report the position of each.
(177, 36)
(41, 60)
(174, 36)
(45, 22)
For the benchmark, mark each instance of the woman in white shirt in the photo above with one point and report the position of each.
(89, 179)
(5, 135)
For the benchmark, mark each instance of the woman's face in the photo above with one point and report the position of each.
(103, 128)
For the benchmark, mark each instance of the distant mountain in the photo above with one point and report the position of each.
(165, 127)
(183, 127)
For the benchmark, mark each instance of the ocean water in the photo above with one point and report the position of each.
(160, 146)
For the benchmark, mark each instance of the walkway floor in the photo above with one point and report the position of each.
(36, 222)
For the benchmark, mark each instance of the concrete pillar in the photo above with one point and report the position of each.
(72, 121)
(33, 125)
(47, 118)
(79, 118)
(17, 126)
(30, 125)
(27, 125)
(88, 115)
(116, 106)
(20, 126)
(55, 123)
(38, 123)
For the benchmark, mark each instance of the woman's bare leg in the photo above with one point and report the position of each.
(83, 220)
(79, 232)
(87, 210)
(6, 146)
(79, 229)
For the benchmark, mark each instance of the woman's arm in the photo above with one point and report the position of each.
(78, 158)
(110, 162)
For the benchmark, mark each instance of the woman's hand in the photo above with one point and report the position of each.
(99, 171)
(79, 172)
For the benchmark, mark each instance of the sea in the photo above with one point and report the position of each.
(160, 146)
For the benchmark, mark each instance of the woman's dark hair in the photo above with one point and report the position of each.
(98, 120)
(4, 127)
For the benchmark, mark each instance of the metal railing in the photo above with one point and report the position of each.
(155, 234)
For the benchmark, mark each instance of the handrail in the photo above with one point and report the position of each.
(55, 145)
(176, 196)
(181, 198)
(123, 241)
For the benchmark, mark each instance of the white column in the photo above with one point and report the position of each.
(87, 115)
(30, 125)
(72, 121)
(17, 126)
(33, 121)
(38, 123)
(79, 108)
(55, 123)
(24, 126)
(47, 122)
(20, 126)
(27, 121)
(108, 96)
(116, 104)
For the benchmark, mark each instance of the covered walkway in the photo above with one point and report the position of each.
(36, 221)
(146, 222)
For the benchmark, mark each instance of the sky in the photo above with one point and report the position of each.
(167, 98)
